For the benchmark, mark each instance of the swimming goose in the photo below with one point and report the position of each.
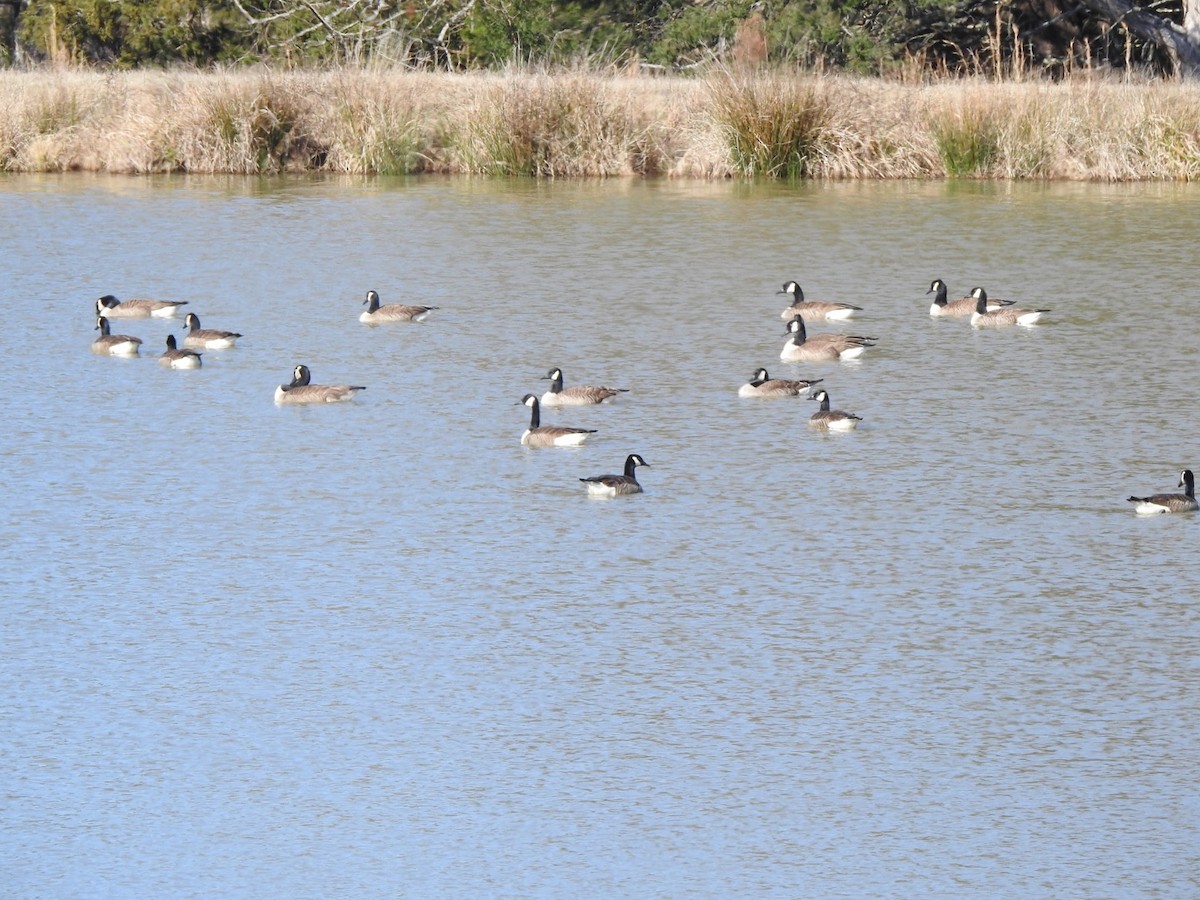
(539, 435)
(578, 395)
(110, 306)
(114, 344)
(616, 485)
(763, 385)
(1009, 315)
(301, 390)
(206, 338)
(392, 312)
(963, 306)
(175, 358)
(1169, 503)
(799, 347)
(815, 310)
(828, 419)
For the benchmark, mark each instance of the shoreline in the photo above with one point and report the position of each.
(582, 124)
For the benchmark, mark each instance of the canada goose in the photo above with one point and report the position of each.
(1009, 315)
(814, 310)
(114, 344)
(964, 306)
(539, 435)
(206, 338)
(175, 358)
(763, 385)
(301, 390)
(578, 395)
(831, 419)
(110, 306)
(392, 312)
(1168, 503)
(616, 485)
(801, 348)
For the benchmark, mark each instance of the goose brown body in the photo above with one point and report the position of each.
(198, 338)
(763, 385)
(1170, 503)
(176, 358)
(815, 310)
(301, 390)
(392, 312)
(826, 419)
(617, 485)
(141, 308)
(800, 347)
(576, 395)
(539, 435)
(109, 344)
(960, 308)
(1009, 315)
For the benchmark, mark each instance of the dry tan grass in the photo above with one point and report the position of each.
(596, 124)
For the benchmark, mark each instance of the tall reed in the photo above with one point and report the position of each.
(589, 123)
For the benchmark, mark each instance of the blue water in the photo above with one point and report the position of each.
(382, 649)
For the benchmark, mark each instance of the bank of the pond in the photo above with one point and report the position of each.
(588, 124)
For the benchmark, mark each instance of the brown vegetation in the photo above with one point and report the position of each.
(588, 124)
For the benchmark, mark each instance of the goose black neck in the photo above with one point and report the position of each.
(825, 403)
(630, 466)
(535, 415)
(556, 384)
(1189, 485)
(372, 301)
(940, 297)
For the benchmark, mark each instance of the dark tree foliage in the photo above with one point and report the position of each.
(130, 33)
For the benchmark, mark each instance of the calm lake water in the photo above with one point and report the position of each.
(381, 649)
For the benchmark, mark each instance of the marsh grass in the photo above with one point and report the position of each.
(244, 126)
(541, 126)
(587, 123)
(968, 142)
(569, 125)
(376, 134)
(774, 126)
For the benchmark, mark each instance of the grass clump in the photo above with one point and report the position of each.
(274, 137)
(379, 137)
(968, 141)
(549, 126)
(243, 125)
(774, 126)
(58, 111)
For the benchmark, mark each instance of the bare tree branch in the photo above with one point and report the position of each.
(1172, 39)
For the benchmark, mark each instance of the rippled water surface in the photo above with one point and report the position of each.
(382, 649)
